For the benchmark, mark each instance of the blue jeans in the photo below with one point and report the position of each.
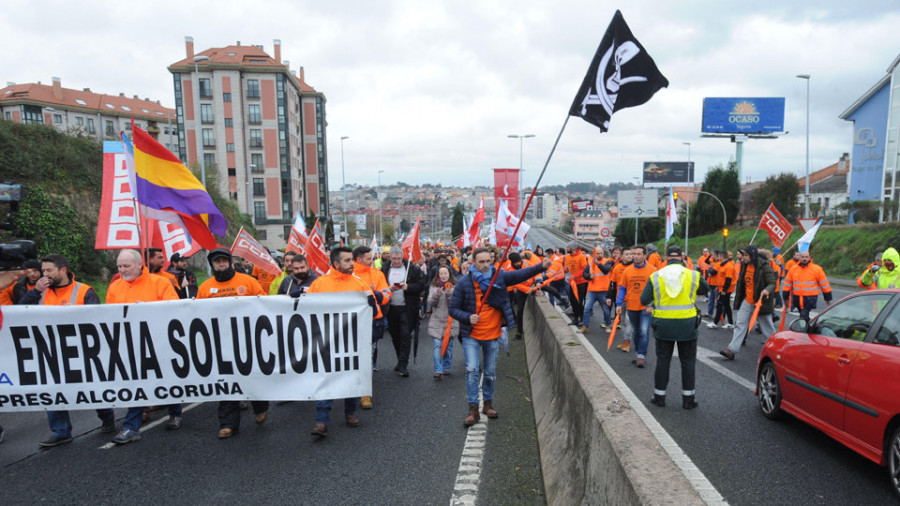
(323, 409)
(439, 364)
(134, 416)
(489, 349)
(712, 296)
(640, 331)
(61, 425)
(598, 297)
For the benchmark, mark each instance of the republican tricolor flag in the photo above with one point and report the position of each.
(168, 191)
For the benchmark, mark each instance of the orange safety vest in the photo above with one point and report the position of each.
(806, 281)
(599, 282)
(69, 295)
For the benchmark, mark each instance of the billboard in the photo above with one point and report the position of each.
(665, 174)
(506, 187)
(576, 206)
(638, 203)
(743, 115)
(870, 122)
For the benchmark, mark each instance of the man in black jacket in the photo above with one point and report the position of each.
(756, 281)
(407, 283)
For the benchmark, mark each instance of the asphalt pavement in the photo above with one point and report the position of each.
(407, 451)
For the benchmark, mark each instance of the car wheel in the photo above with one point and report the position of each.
(769, 392)
(893, 458)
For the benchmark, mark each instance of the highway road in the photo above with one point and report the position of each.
(409, 450)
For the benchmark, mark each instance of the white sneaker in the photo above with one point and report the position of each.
(728, 326)
(710, 325)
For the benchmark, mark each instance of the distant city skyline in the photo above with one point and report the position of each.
(430, 92)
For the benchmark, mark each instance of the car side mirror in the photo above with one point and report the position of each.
(799, 325)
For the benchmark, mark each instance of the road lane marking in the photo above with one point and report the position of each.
(713, 360)
(468, 476)
(691, 472)
(146, 427)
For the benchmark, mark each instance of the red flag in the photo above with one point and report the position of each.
(315, 251)
(298, 238)
(410, 245)
(506, 187)
(479, 214)
(775, 225)
(612, 335)
(246, 246)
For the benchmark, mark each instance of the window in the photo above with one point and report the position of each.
(110, 128)
(259, 213)
(259, 187)
(91, 129)
(232, 172)
(252, 88)
(226, 97)
(287, 231)
(850, 319)
(32, 115)
(206, 113)
(8, 116)
(256, 138)
(209, 138)
(256, 163)
(229, 147)
(262, 235)
(254, 115)
(890, 330)
(128, 126)
(205, 88)
(57, 118)
(79, 121)
(229, 122)
(209, 159)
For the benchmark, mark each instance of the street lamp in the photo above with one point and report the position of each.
(380, 215)
(687, 213)
(198, 59)
(806, 77)
(521, 142)
(640, 185)
(344, 185)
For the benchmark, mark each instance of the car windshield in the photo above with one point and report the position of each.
(851, 318)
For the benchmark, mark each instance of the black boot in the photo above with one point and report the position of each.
(658, 400)
(688, 402)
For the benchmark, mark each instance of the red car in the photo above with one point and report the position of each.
(841, 374)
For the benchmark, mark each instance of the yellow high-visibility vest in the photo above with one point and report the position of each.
(678, 307)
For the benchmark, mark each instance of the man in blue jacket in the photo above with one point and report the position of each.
(479, 324)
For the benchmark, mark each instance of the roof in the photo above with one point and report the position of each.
(243, 56)
(119, 105)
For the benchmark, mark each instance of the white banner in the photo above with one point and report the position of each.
(238, 348)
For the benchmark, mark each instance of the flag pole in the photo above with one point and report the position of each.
(522, 216)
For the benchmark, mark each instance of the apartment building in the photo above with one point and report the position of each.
(260, 126)
(83, 112)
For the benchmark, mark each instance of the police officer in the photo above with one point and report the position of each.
(672, 292)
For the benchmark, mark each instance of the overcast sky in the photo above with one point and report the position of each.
(429, 90)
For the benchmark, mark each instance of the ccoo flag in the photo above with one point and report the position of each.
(621, 75)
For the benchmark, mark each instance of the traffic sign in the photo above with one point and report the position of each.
(638, 203)
(807, 223)
(604, 232)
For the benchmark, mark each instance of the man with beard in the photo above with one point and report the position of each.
(186, 281)
(301, 277)
(285, 273)
(631, 285)
(755, 281)
(59, 288)
(339, 279)
(155, 261)
(136, 284)
(228, 283)
(803, 283)
(14, 293)
(480, 321)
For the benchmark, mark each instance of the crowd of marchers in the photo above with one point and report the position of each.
(474, 299)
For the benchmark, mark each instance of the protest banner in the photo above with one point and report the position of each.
(316, 347)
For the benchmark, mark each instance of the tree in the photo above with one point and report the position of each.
(329, 231)
(706, 213)
(781, 190)
(649, 230)
(405, 226)
(388, 234)
(456, 224)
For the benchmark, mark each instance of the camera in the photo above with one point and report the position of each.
(875, 268)
(14, 254)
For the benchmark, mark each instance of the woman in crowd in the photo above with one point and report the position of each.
(439, 299)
